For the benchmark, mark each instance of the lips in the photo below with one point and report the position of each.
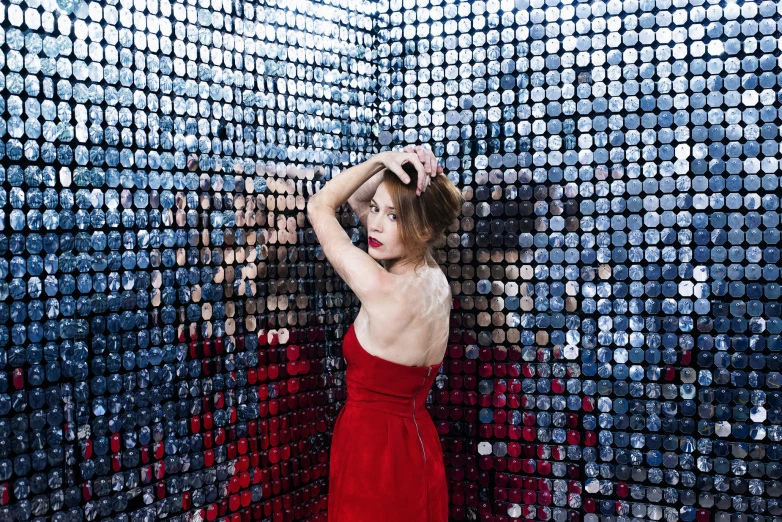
(374, 243)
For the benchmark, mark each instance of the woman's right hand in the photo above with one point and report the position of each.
(393, 161)
(429, 160)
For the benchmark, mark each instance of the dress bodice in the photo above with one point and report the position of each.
(384, 384)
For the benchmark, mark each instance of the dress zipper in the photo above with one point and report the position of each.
(414, 419)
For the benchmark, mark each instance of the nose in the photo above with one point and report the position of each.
(375, 225)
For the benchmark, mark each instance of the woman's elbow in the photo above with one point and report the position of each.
(315, 206)
(312, 202)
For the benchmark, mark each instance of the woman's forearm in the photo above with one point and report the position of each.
(366, 192)
(345, 184)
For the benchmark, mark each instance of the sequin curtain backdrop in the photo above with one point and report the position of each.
(616, 268)
(164, 314)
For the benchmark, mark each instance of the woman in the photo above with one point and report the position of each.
(386, 460)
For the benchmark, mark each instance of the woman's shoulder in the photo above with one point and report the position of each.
(423, 279)
(425, 292)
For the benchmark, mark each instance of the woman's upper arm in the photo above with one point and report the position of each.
(365, 277)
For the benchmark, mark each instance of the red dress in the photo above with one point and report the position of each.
(386, 461)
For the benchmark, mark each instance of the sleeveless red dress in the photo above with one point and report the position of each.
(386, 461)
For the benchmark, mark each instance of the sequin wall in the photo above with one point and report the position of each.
(163, 309)
(616, 349)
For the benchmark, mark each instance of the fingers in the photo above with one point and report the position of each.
(424, 184)
(432, 167)
(425, 163)
(421, 152)
(433, 163)
(427, 158)
(396, 168)
(419, 167)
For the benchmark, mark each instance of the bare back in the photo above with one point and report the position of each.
(410, 326)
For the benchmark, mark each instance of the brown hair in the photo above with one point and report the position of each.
(423, 219)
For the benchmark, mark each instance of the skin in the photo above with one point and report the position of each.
(404, 314)
(382, 226)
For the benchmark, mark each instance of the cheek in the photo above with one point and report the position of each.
(397, 239)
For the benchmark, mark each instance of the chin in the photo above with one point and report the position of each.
(377, 256)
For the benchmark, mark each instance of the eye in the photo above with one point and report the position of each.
(372, 207)
(393, 217)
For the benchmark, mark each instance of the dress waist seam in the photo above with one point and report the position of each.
(369, 405)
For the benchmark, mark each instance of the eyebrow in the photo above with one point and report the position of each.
(375, 202)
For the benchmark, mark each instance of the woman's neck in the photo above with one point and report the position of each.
(401, 267)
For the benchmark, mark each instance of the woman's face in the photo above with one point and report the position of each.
(385, 243)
